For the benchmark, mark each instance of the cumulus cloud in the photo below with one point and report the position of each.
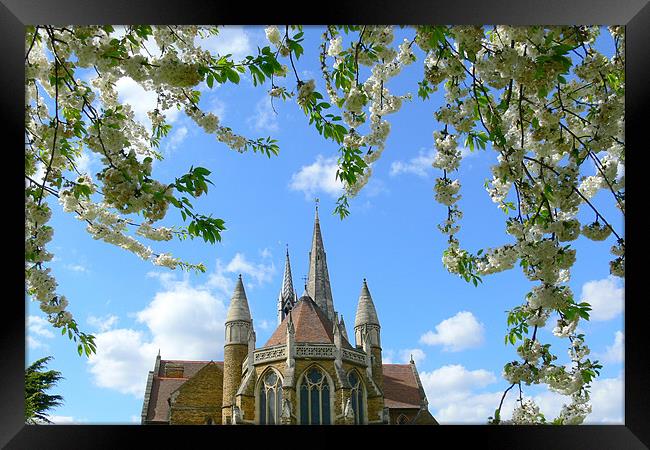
(38, 328)
(615, 353)
(230, 40)
(457, 395)
(176, 138)
(264, 119)
(457, 333)
(450, 392)
(319, 176)
(104, 323)
(607, 402)
(421, 165)
(183, 321)
(141, 101)
(606, 297)
(262, 273)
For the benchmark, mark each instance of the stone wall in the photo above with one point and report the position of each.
(199, 399)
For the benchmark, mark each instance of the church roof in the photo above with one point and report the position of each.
(401, 389)
(311, 325)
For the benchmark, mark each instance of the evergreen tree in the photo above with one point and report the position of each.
(37, 400)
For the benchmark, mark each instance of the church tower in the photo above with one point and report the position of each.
(367, 332)
(239, 325)
(287, 297)
(318, 279)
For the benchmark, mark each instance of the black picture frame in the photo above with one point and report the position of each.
(635, 14)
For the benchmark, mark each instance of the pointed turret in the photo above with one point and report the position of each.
(318, 281)
(287, 297)
(367, 333)
(238, 309)
(239, 343)
(366, 312)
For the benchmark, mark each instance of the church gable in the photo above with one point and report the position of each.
(198, 400)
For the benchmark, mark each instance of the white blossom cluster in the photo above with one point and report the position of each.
(169, 62)
(526, 413)
(544, 123)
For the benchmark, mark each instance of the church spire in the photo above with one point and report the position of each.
(318, 280)
(287, 297)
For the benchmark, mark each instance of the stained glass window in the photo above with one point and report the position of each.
(270, 395)
(357, 396)
(315, 398)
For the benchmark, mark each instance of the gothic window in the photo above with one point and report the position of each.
(402, 420)
(270, 396)
(356, 397)
(314, 395)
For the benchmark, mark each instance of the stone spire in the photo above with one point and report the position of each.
(318, 280)
(238, 309)
(287, 297)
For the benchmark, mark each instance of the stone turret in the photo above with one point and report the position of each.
(318, 279)
(239, 328)
(367, 332)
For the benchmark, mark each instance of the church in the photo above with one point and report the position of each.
(307, 373)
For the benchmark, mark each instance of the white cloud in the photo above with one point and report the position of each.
(266, 253)
(65, 420)
(606, 297)
(122, 361)
(87, 161)
(416, 166)
(264, 324)
(176, 138)
(457, 333)
(264, 118)
(76, 268)
(607, 402)
(262, 273)
(103, 323)
(417, 354)
(317, 177)
(615, 353)
(450, 394)
(421, 164)
(141, 101)
(230, 40)
(184, 322)
(37, 326)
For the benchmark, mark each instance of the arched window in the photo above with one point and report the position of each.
(314, 394)
(402, 420)
(270, 395)
(357, 397)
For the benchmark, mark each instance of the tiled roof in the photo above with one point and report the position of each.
(162, 387)
(310, 323)
(400, 387)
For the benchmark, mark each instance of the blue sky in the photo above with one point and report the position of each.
(453, 329)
